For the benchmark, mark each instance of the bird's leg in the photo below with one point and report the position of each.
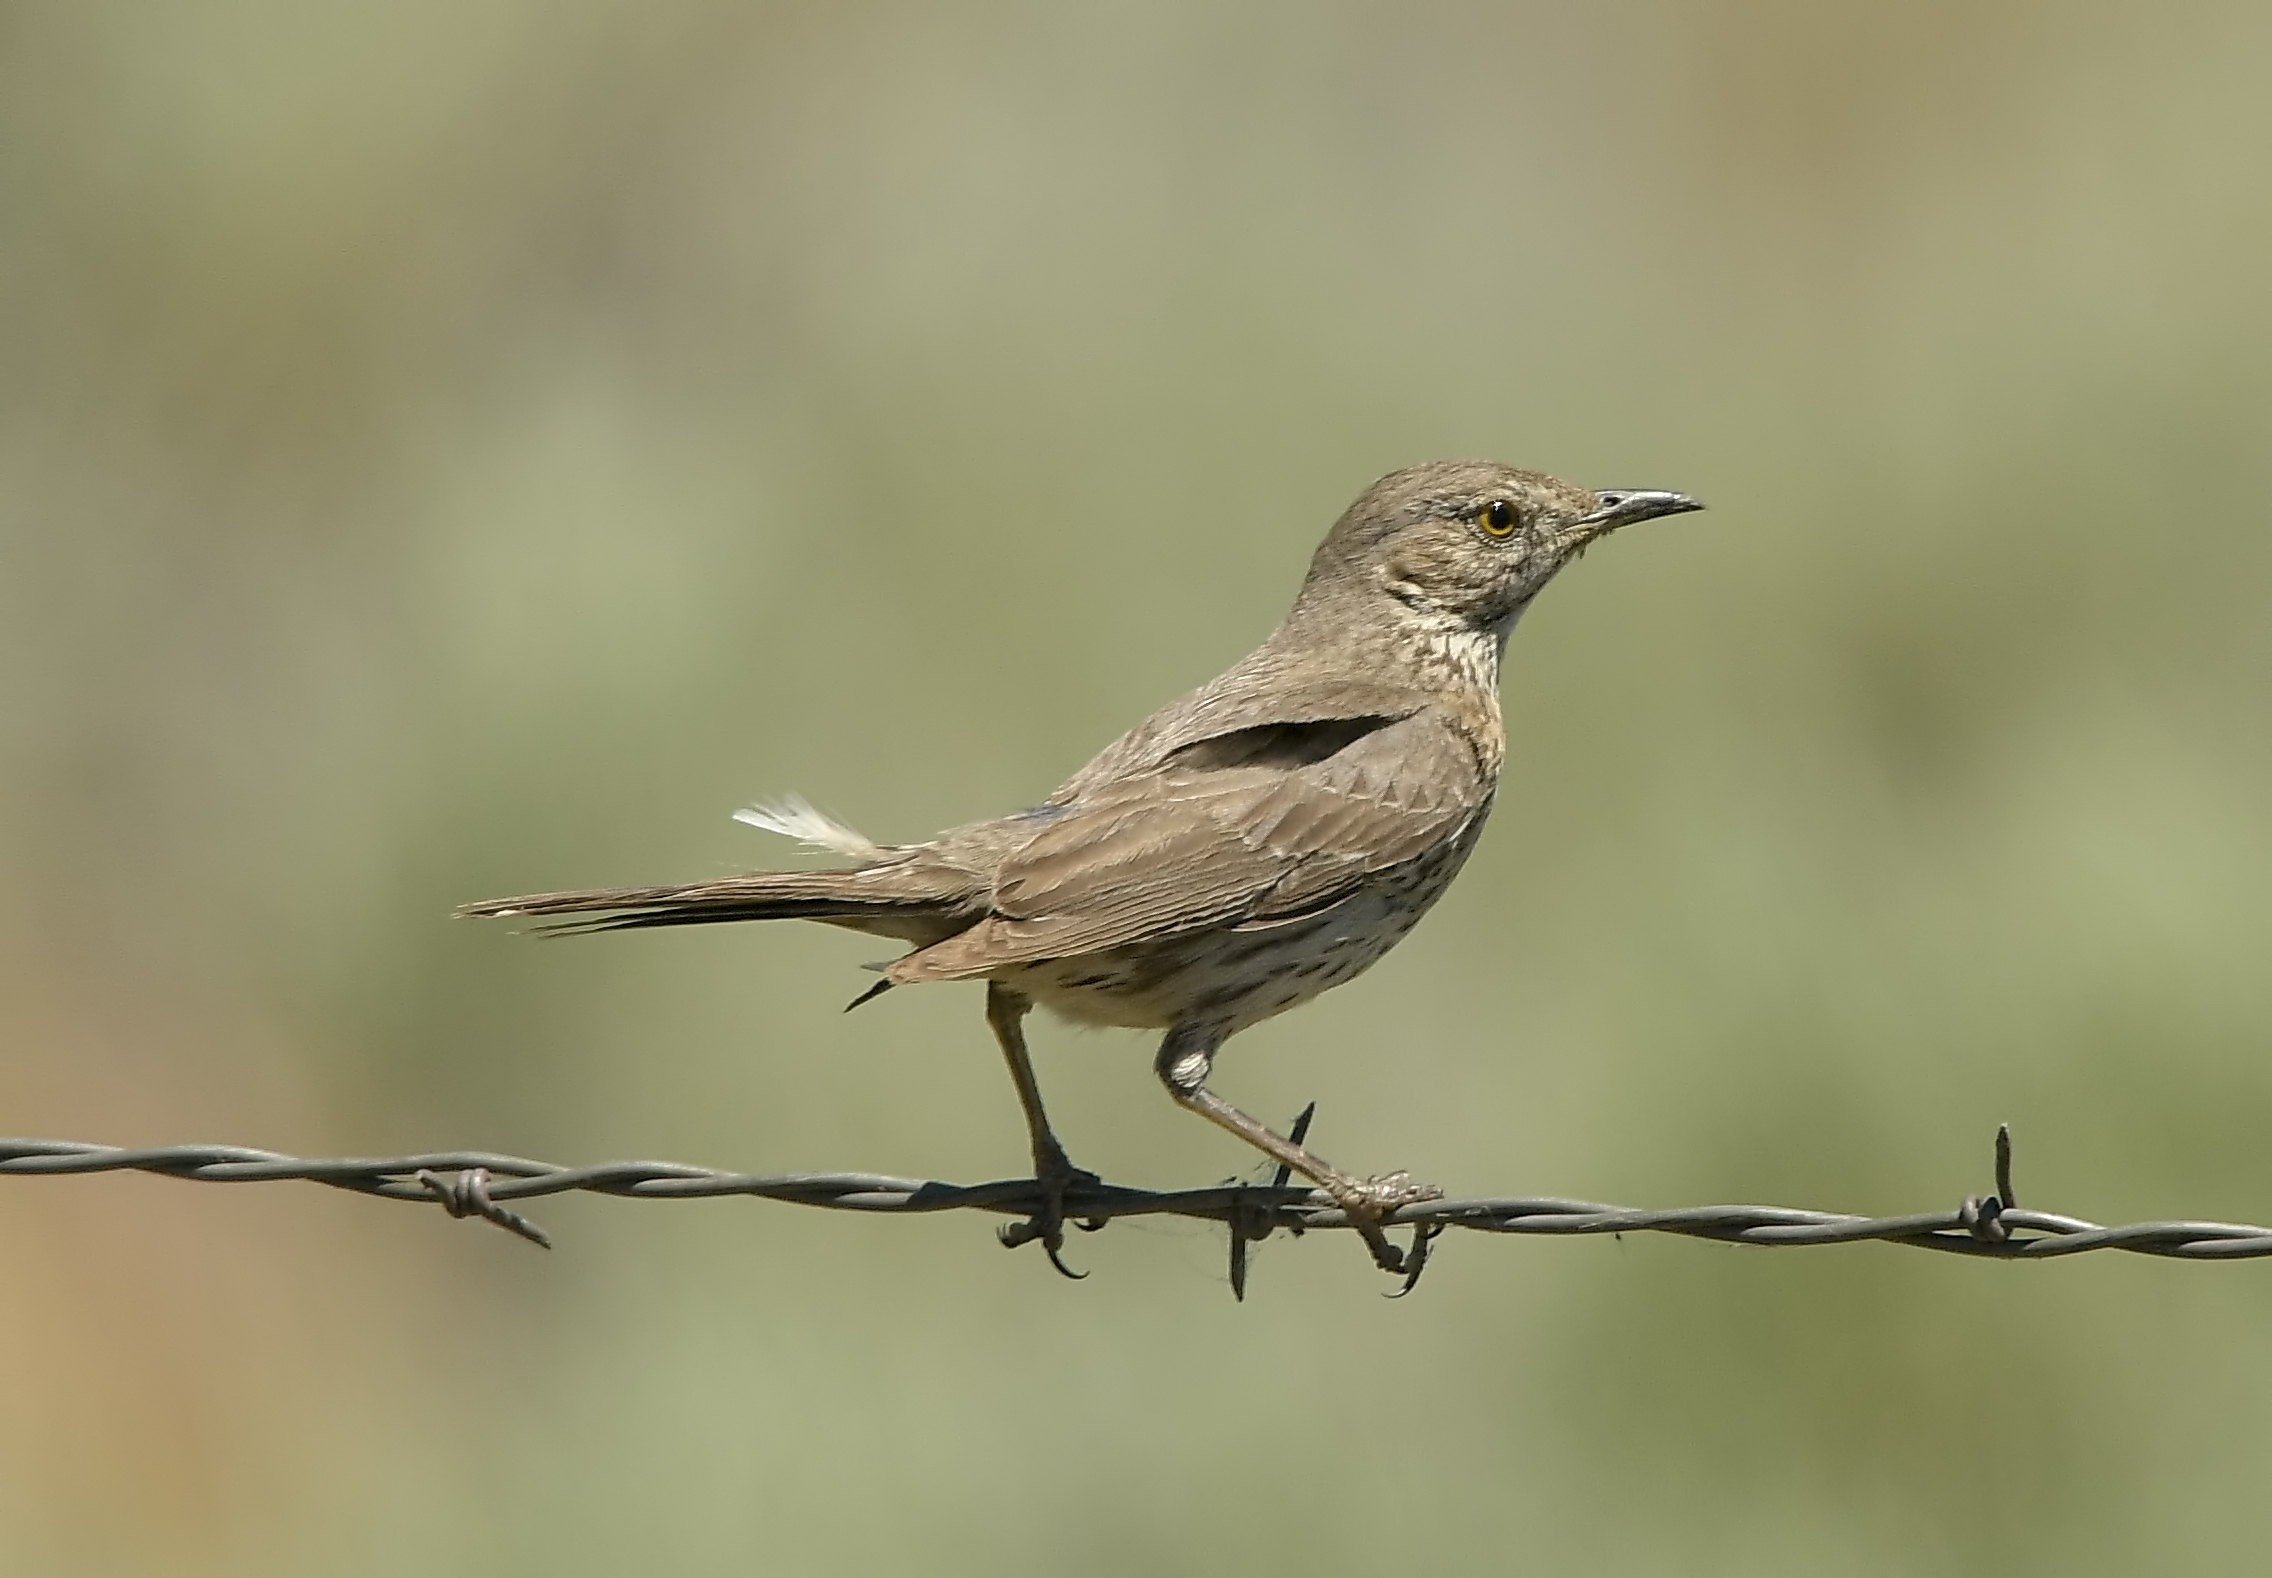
(1183, 1063)
(1006, 1009)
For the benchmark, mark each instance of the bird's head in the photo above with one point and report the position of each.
(1470, 541)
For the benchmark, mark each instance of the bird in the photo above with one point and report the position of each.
(1258, 841)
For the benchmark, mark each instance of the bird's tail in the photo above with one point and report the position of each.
(918, 902)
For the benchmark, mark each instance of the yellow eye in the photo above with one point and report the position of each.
(1497, 519)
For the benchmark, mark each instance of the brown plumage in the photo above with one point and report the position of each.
(1261, 839)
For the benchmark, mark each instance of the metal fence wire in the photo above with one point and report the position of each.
(479, 1183)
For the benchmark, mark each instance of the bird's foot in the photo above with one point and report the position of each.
(1368, 1202)
(1055, 1174)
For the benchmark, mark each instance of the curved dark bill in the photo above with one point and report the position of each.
(1624, 506)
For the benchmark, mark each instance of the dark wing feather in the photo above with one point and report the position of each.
(1249, 701)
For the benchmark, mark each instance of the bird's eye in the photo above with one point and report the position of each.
(1497, 519)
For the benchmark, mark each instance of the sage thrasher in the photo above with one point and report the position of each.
(1264, 838)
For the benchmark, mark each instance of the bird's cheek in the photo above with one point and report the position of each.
(1513, 568)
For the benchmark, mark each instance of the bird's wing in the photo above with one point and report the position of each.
(1241, 829)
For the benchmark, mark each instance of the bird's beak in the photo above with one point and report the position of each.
(1615, 507)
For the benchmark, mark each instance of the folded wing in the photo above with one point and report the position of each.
(1239, 829)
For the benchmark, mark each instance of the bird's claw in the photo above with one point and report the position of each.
(1054, 1174)
(1368, 1202)
(1416, 1258)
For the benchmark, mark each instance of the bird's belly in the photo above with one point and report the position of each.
(1238, 977)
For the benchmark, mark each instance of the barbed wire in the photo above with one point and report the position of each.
(478, 1183)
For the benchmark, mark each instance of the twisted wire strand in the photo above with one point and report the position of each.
(478, 1183)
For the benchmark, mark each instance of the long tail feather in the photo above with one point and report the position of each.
(889, 901)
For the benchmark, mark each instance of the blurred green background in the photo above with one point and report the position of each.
(453, 449)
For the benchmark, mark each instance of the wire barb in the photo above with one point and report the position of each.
(467, 1194)
(1252, 1221)
(474, 1183)
(1983, 1215)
